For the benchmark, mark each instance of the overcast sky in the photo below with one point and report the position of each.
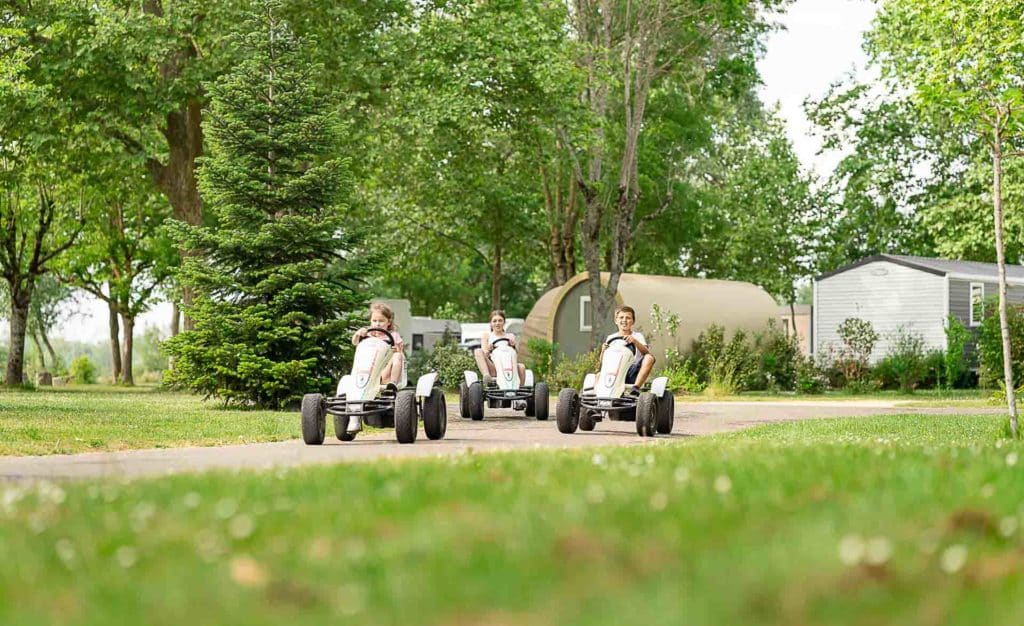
(820, 43)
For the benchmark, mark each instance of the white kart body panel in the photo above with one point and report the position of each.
(471, 377)
(506, 367)
(659, 385)
(372, 356)
(589, 380)
(611, 381)
(529, 379)
(425, 384)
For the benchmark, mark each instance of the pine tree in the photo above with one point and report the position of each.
(275, 275)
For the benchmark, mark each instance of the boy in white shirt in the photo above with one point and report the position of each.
(638, 372)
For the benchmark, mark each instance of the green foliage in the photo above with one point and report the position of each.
(904, 365)
(810, 379)
(682, 375)
(83, 371)
(571, 370)
(859, 338)
(274, 278)
(725, 367)
(990, 347)
(954, 362)
(778, 359)
(450, 361)
(541, 357)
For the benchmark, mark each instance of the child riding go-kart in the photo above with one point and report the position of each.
(604, 395)
(504, 389)
(360, 395)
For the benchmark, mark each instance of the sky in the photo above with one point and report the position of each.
(821, 42)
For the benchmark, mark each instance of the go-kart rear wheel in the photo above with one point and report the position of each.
(647, 414)
(540, 401)
(435, 414)
(476, 402)
(666, 413)
(587, 421)
(463, 400)
(567, 411)
(405, 416)
(314, 423)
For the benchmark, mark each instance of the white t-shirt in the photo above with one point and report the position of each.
(491, 337)
(637, 336)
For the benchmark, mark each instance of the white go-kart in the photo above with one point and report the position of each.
(504, 390)
(604, 395)
(361, 396)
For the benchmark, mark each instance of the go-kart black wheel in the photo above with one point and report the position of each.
(476, 402)
(587, 421)
(567, 411)
(531, 409)
(435, 414)
(647, 414)
(341, 428)
(314, 423)
(540, 401)
(666, 413)
(405, 416)
(463, 400)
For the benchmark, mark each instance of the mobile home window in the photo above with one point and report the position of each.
(977, 303)
(585, 316)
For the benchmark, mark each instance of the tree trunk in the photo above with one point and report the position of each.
(115, 342)
(563, 218)
(34, 334)
(175, 319)
(496, 278)
(21, 298)
(128, 323)
(792, 317)
(1004, 326)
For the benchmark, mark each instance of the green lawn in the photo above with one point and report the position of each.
(94, 418)
(961, 398)
(896, 520)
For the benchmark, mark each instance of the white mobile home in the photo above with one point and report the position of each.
(915, 293)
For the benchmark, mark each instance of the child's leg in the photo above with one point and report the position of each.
(645, 370)
(484, 363)
(522, 374)
(394, 369)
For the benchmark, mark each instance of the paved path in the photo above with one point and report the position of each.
(501, 430)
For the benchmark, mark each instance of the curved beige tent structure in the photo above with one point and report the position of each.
(563, 315)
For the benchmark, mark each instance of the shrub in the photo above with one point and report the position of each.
(83, 370)
(954, 363)
(777, 359)
(809, 378)
(418, 363)
(450, 361)
(541, 357)
(724, 367)
(570, 371)
(935, 368)
(904, 365)
(990, 346)
(859, 339)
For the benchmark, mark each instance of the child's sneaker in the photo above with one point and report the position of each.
(355, 424)
(635, 391)
(519, 405)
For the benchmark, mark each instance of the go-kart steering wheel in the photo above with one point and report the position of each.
(631, 347)
(499, 340)
(388, 337)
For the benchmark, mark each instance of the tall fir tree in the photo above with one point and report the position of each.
(276, 275)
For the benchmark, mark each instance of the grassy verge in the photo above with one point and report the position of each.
(96, 418)
(961, 398)
(895, 520)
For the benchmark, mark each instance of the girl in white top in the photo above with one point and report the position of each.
(483, 353)
(381, 316)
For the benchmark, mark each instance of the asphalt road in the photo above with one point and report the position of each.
(500, 430)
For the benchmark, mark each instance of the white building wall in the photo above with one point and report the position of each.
(887, 295)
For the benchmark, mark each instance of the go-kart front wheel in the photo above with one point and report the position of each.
(405, 416)
(666, 413)
(567, 411)
(647, 414)
(435, 414)
(314, 424)
(476, 402)
(540, 401)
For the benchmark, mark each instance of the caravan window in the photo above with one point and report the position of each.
(977, 303)
(585, 314)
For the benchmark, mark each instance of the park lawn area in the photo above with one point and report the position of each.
(87, 418)
(958, 398)
(888, 520)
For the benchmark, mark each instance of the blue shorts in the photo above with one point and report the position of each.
(633, 372)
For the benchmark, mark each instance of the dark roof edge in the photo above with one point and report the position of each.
(880, 257)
